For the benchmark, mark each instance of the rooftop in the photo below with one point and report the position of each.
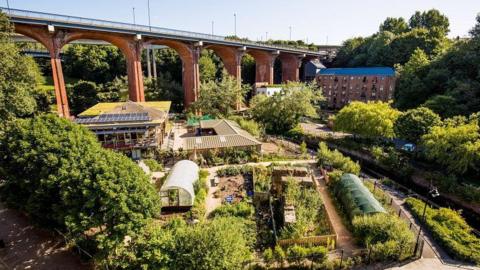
(125, 112)
(108, 107)
(228, 134)
(363, 71)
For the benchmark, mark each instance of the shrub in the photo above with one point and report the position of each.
(153, 165)
(450, 230)
(198, 209)
(241, 209)
(387, 235)
(296, 253)
(317, 254)
(268, 256)
(337, 160)
(279, 254)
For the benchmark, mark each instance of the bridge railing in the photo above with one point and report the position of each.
(50, 17)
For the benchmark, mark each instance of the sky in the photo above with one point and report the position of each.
(319, 21)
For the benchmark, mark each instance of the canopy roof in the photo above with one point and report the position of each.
(182, 176)
(352, 186)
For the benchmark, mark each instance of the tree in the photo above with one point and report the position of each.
(208, 70)
(82, 95)
(165, 88)
(410, 81)
(432, 20)
(443, 104)
(19, 76)
(282, 111)
(372, 119)
(394, 25)
(456, 146)
(220, 98)
(206, 245)
(248, 69)
(57, 172)
(415, 123)
(97, 63)
(475, 32)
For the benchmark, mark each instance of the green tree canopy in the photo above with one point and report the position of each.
(82, 95)
(410, 82)
(372, 119)
(432, 20)
(415, 123)
(19, 76)
(394, 25)
(282, 111)
(220, 98)
(97, 63)
(58, 173)
(395, 42)
(207, 245)
(454, 145)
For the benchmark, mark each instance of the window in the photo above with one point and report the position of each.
(365, 79)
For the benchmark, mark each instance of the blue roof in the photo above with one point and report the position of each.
(365, 71)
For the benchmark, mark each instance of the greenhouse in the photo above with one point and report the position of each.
(355, 197)
(178, 191)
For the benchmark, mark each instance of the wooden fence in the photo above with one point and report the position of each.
(323, 240)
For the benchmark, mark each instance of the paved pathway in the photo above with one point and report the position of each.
(345, 239)
(28, 247)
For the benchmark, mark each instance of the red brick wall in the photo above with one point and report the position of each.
(340, 90)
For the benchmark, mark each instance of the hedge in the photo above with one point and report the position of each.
(450, 230)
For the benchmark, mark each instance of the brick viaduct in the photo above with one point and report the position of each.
(131, 45)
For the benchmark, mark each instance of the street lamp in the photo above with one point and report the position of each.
(290, 28)
(213, 23)
(235, 23)
(149, 23)
(434, 193)
(133, 11)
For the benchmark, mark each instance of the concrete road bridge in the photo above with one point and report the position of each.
(55, 31)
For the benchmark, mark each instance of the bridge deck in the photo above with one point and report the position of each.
(63, 21)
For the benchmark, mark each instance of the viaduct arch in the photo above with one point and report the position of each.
(132, 45)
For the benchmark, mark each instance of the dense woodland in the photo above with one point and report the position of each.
(435, 71)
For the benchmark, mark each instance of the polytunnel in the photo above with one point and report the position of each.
(178, 191)
(355, 197)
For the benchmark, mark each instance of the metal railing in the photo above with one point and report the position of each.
(50, 17)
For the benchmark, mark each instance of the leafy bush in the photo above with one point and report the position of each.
(241, 209)
(234, 170)
(250, 126)
(262, 178)
(153, 165)
(450, 229)
(327, 157)
(57, 172)
(176, 245)
(387, 235)
(198, 209)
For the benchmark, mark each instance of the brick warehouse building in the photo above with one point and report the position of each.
(344, 85)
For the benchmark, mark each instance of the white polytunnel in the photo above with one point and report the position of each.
(178, 187)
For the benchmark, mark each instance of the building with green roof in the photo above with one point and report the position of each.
(130, 127)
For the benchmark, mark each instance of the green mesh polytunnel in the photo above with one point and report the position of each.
(355, 197)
